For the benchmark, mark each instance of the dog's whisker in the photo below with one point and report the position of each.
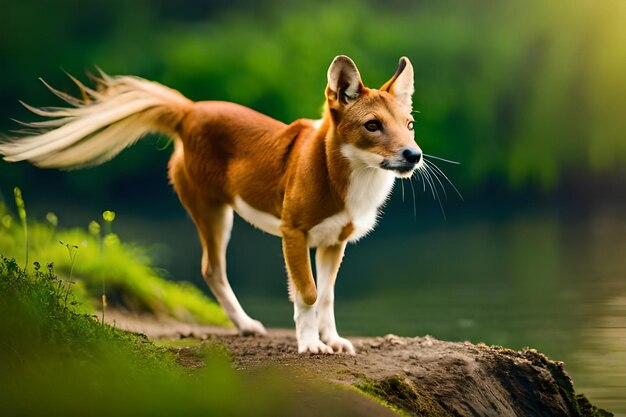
(436, 168)
(443, 212)
(441, 159)
(417, 174)
(435, 192)
(429, 182)
(434, 174)
(426, 179)
(413, 191)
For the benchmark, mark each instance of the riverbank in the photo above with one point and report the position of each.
(419, 376)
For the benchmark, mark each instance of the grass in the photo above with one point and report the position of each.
(99, 263)
(39, 309)
(399, 396)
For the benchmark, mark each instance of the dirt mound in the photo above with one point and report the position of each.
(427, 377)
(421, 375)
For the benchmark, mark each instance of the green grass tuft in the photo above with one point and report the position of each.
(131, 280)
(400, 396)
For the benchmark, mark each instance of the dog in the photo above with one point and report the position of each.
(314, 183)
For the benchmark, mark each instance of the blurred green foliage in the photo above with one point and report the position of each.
(527, 93)
(96, 263)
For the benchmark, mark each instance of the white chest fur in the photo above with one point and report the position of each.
(369, 188)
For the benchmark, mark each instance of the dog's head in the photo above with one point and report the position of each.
(375, 126)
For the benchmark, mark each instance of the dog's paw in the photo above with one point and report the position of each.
(252, 328)
(314, 346)
(341, 345)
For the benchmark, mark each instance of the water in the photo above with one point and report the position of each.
(552, 278)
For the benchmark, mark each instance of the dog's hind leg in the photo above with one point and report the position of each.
(214, 226)
(214, 220)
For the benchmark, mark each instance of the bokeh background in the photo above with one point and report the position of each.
(529, 96)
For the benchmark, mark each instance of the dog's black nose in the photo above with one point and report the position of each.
(412, 155)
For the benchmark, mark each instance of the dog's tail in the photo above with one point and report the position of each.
(97, 127)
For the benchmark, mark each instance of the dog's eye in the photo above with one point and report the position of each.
(373, 125)
(410, 125)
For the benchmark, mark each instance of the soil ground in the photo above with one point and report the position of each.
(420, 376)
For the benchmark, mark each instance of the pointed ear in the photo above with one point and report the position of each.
(401, 84)
(344, 81)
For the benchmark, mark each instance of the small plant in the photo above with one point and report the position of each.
(108, 217)
(52, 219)
(72, 251)
(10, 265)
(6, 221)
(21, 212)
(94, 229)
(110, 238)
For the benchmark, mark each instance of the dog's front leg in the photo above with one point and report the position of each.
(327, 261)
(296, 252)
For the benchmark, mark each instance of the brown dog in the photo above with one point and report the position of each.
(313, 183)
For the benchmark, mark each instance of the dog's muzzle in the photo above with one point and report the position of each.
(405, 161)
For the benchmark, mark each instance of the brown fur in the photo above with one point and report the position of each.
(228, 150)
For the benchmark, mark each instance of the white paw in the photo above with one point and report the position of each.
(339, 344)
(252, 327)
(314, 346)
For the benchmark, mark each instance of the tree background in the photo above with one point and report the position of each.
(528, 95)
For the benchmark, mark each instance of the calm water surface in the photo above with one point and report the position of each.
(552, 278)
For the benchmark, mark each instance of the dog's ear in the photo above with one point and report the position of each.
(401, 84)
(344, 81)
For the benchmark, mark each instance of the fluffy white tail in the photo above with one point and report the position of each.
(100, 125)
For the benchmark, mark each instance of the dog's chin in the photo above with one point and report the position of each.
(404, 174)
(399, 170)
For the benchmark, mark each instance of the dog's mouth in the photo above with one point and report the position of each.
(400, 168)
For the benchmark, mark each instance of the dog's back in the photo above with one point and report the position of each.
(232, 151)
